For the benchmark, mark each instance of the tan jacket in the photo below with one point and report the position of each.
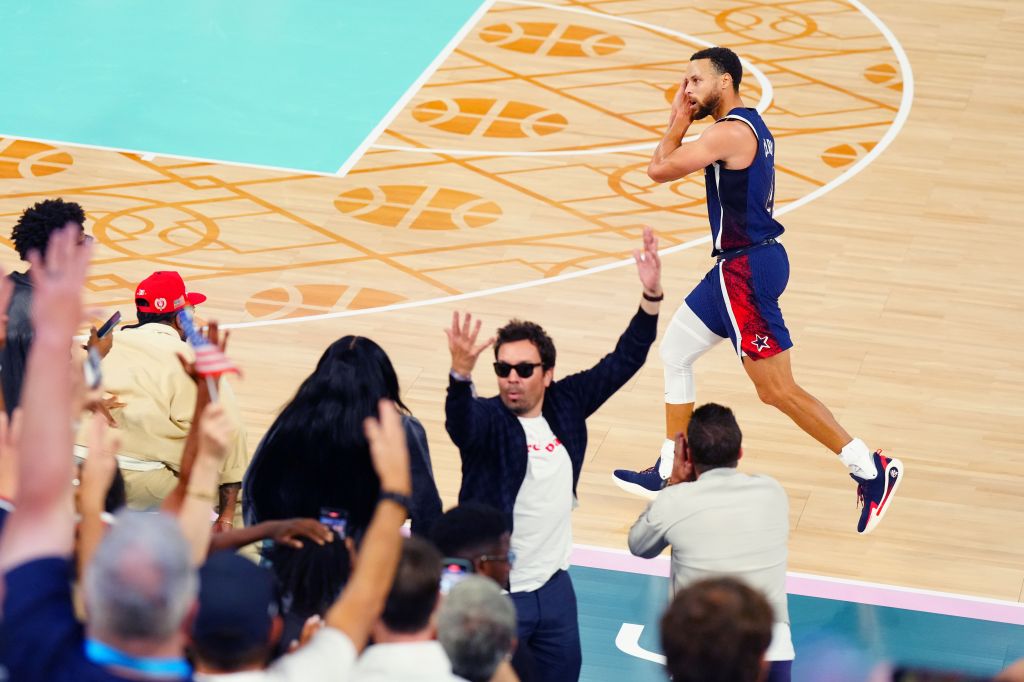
(143, 371)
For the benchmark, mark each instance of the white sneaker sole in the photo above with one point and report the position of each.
(876, 519)
(635, 489)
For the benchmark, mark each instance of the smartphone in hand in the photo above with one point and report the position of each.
(109, 325)
(453, 572)
(336, 520)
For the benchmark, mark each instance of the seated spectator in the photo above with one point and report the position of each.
(476, 625)
(315, 455)
(477, 533)
(720, 521)
(158, 400)
(31, 233)
(404, 646)
(716, 630)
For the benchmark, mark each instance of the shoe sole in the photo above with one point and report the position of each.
(875, 519)
(635, 488)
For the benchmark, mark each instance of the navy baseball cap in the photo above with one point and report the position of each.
(237, 604)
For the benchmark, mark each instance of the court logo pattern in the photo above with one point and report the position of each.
(29, 159)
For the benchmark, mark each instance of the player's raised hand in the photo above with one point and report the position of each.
(648, 263)
(462, 343)
(682, 108)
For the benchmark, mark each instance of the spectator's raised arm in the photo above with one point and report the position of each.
(95, 478)
(172, 503)
(215, 431)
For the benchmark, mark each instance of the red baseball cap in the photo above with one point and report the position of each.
(164, 292)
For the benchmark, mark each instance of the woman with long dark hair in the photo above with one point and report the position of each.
(315, 454)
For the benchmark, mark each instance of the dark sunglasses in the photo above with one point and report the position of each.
(523, 369)
(509, 558)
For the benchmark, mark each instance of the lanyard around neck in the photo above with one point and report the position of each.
(106, 655)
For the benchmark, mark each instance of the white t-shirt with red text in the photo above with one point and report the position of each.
(542, 533)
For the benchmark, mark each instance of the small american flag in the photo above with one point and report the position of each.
(210, 361)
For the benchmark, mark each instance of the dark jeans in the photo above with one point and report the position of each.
(549, 629)
(780, 671)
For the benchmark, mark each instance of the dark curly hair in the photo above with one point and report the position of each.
(518, 330)
(34, 227)
(725, 61)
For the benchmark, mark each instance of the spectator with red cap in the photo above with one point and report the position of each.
(158, 399)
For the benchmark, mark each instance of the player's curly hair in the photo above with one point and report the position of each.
(725, 61)
(34, 227)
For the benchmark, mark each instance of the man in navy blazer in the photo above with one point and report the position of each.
(522, 452)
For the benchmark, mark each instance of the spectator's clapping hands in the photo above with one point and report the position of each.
(682, 464)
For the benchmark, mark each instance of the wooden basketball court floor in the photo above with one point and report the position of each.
(511, 182)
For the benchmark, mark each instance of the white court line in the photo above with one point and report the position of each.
(767, 93)
(411, 91)
(150, 155)
(461, 297)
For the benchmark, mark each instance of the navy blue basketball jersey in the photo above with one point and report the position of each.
(741, 202)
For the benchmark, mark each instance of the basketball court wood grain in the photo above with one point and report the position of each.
(905, 301)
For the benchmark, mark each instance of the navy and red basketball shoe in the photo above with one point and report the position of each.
(647, 483)
(876, 495)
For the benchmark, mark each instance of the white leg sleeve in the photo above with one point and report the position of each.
(685, 340)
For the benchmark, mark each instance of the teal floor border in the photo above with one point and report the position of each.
(296, 84)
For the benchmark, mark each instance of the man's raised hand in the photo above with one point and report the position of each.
(648, 263)
(462, 343)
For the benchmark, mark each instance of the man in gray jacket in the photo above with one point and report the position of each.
(720, 521)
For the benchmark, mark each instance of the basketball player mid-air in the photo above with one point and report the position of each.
(739, 298)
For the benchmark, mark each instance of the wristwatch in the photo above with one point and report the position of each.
(397, 498)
